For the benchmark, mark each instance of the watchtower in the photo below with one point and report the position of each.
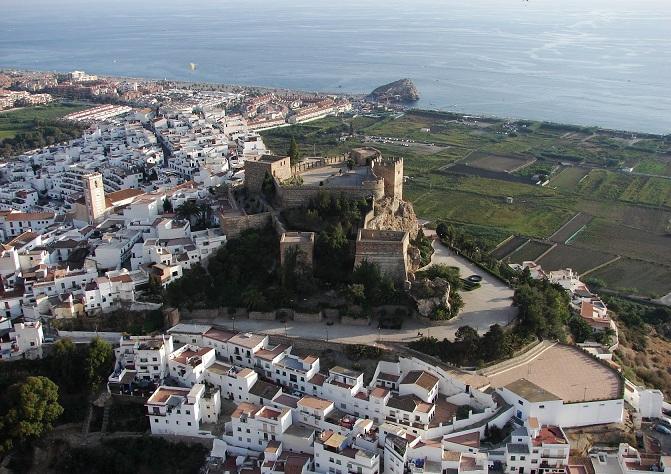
(391, 170)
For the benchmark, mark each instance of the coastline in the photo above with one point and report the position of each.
(205, 85)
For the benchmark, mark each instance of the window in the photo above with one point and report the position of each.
(541, 406)
(512, 458)
(188, 423)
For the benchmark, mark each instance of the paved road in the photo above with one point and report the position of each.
(489, 304)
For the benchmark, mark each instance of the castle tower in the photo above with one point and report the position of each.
(94, 196)
(391, 170)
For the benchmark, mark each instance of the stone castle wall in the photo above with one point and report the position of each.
(234, 225)
(255, 172)
(389, 255)
(391, 170)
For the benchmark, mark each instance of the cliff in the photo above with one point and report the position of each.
(393, 214)
(402, 90)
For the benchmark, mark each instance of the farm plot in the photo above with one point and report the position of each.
(626, 241)
(569, 229)
(660, 165)
(576, 258)
(467, 170)
(569, 178)
(637, 277)
(499, 163)
(639, 217)
(509, 247)
(530, 252)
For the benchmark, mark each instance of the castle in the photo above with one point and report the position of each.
(362, 174)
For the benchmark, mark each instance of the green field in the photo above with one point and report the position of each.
(23, 120)
(585, 177)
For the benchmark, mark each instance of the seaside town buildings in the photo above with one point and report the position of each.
(411, 416)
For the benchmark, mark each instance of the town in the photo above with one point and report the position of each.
(164, 179)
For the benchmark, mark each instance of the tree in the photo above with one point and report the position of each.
(187, 210)
(350, 164)
(253, 299)
(441, 230)
(32, 409)
(294, 152)
(580, 330)
(167, 205)
(351, 129)
(65, 361)
(98, 363)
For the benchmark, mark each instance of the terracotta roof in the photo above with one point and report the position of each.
(422, 378)
(315, 403)
(122, 195)
(30, 216)
(219, 334)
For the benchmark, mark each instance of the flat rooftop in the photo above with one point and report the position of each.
(566, 372)
(382, 235)
(298, 237)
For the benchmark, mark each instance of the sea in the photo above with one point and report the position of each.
(587, 62)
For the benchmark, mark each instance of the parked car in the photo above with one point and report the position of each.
(662, 429)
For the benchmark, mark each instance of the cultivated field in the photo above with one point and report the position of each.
(656, 166)
(508, 247)
(568, 230)
(500, 163)
(22, 120)
(570, 256)
(530, 252)
(568, 178)
(623, 240)
(636, 277)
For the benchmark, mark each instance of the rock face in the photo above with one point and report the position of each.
(430, 295)
(393, 214)
(402, 90)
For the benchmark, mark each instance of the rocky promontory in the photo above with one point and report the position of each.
(402, 90)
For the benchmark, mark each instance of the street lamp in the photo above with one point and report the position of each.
(327, 334)
(233, 318)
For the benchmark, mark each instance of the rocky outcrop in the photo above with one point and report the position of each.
(430, 295)
(393, 214)
(400, 91)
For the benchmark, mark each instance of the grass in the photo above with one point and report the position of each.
(659, 166)
(22, 120)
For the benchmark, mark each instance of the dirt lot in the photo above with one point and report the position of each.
(500, 163)
(567, 231)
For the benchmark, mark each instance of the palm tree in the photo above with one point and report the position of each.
(253, 299)
(187, 210)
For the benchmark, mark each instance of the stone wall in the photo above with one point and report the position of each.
(278, 167)
(308, 317)
(262, 315)
(234, 225)
(391, 170)
(308, 165)
(300, 196)
(389, 253)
